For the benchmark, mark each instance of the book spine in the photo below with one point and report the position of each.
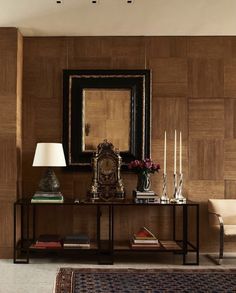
(49, 245)
(145, 245)
(76, 245)
(145, 241)
(144, 192)
(146, 200)
(147, 196)
(41, 193)
(48, 197)
(47, 200)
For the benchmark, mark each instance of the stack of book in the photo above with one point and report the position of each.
(47, 197)
(145, 197)
(76, 241)
(144, 239)
(45, 241)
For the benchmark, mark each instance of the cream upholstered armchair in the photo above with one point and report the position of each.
(222, 216)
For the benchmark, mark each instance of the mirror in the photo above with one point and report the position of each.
(106, 104)
(101, 118)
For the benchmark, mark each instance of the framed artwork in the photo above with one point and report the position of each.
(106, 104)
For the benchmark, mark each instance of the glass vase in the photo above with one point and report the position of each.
(144, 182)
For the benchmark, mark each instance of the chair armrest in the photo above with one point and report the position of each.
(220, 219)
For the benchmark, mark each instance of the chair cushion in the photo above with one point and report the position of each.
(230, 231)
(224, 207)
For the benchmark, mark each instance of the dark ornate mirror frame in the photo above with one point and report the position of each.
(75, 81)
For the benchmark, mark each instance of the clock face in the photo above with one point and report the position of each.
(107, 166)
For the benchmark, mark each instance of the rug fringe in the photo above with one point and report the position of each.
(55, 283)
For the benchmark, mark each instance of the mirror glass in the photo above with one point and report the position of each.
(106, 116)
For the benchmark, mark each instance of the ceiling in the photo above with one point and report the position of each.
(117, 17)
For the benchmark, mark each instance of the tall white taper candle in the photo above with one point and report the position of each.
(165, 154)
(180, 152)
(175, 154)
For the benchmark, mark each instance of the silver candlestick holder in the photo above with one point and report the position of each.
(164, 197)
(179, 196)
(175, 193)
(175, 186)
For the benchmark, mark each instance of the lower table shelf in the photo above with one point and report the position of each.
(118, 246)
(164, 245)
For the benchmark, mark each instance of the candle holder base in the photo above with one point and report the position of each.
(182, 200)
(173, 200)
(164, 199)
(179, 196)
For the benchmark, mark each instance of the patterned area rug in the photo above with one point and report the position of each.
(71, 280)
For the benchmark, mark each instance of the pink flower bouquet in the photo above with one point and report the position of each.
(144, 166)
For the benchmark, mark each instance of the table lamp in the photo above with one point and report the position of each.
(49, 155)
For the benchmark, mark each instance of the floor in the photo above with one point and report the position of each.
(39, 275)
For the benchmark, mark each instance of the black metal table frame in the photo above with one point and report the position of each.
(185, 223)
(25, 240)
(105, 254)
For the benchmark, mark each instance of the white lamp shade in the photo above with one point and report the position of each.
(49, 155)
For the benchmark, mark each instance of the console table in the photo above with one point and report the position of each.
(24, 211)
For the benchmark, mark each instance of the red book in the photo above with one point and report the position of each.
(144, 233)
(48, 241)
(48, 244)
(44, 245)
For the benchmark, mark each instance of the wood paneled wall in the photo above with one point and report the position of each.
(193, 90)
(10, 129)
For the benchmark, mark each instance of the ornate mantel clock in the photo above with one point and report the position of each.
(107, 183)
